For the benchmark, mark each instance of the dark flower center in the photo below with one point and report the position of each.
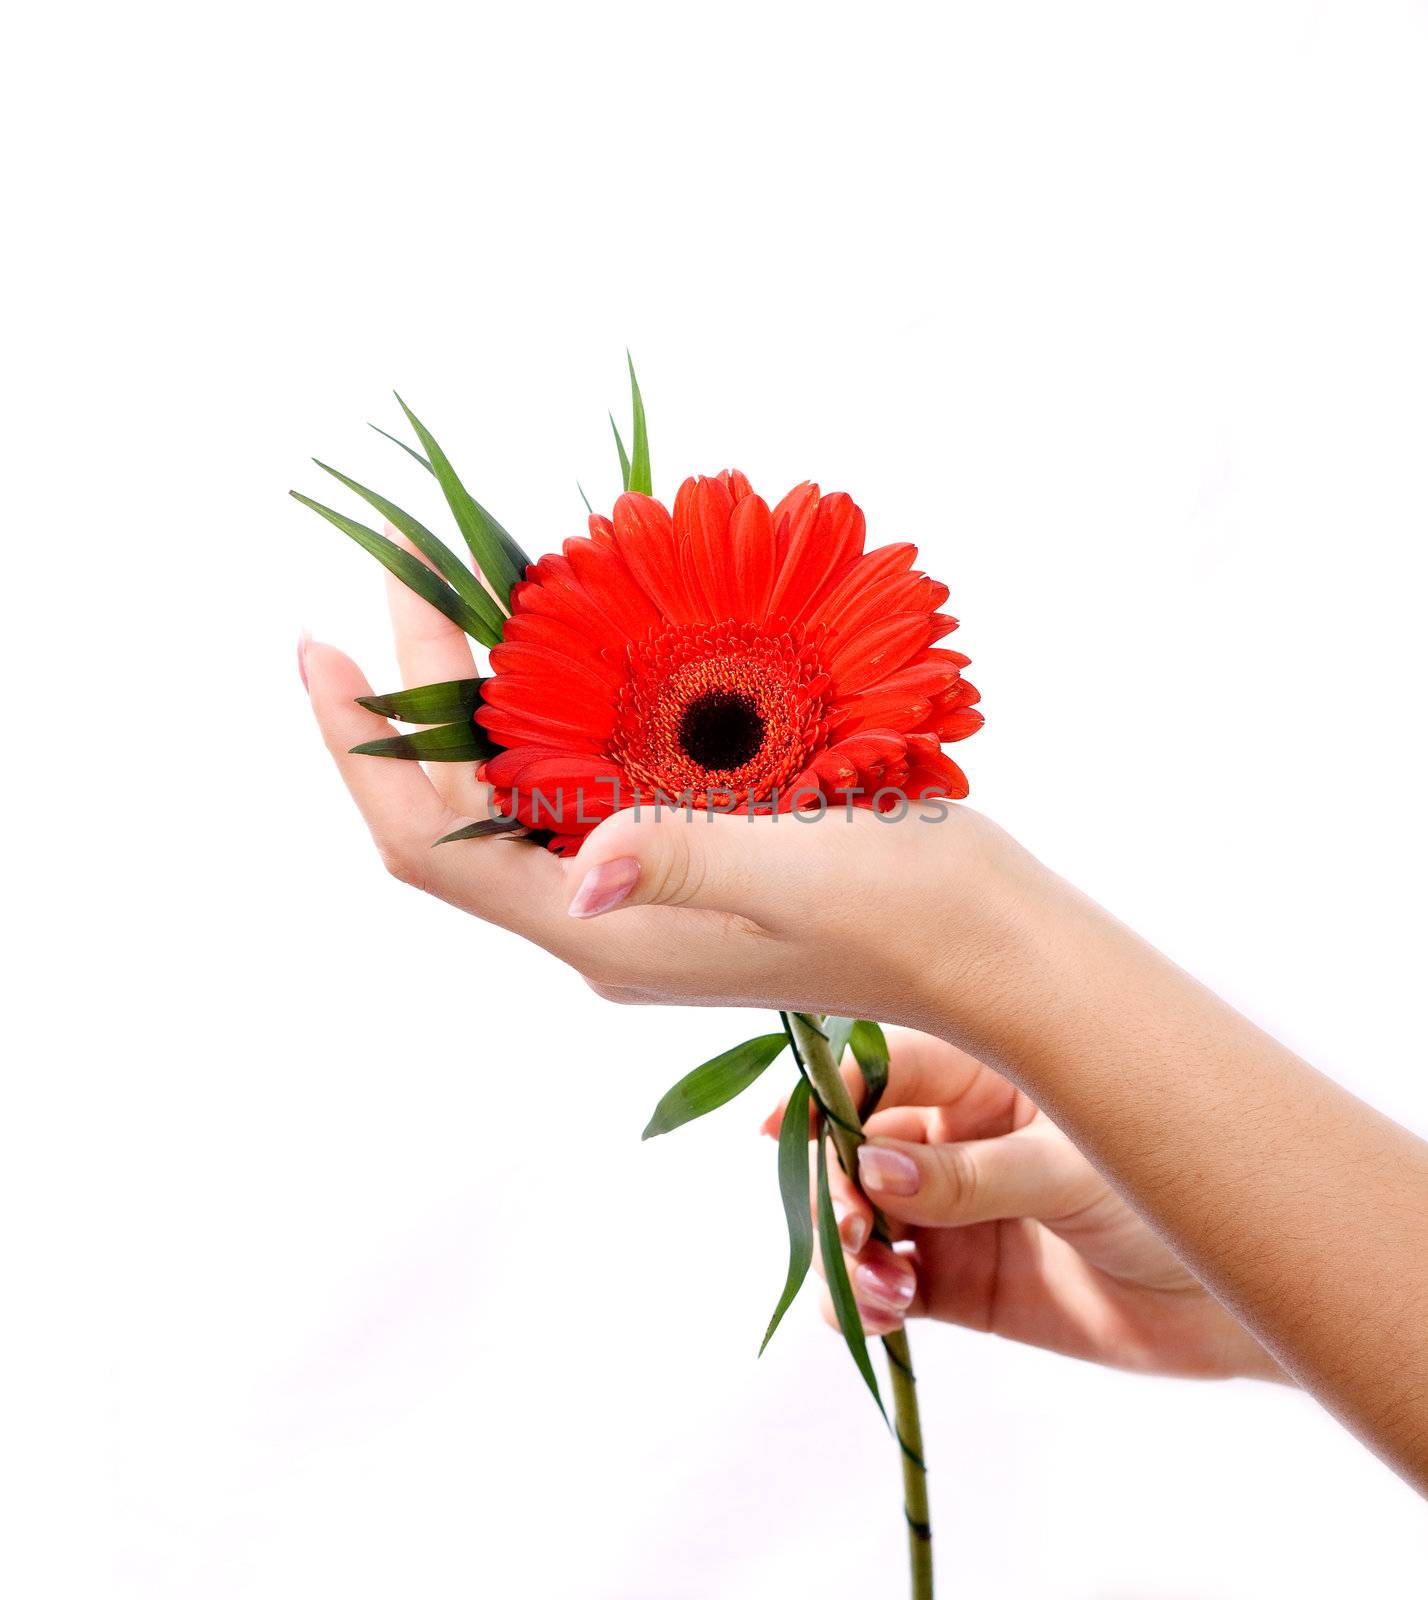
(721, 729)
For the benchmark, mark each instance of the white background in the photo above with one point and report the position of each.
(335, 1264)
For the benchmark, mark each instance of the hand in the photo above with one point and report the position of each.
(844, 914)
(1007, 1228)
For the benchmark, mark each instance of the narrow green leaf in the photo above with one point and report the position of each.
(639, 480)
(487, 828)
(417, 576)
(836, 1031)
(836, 1271)
(447, 562)
(495, 552)
(586, 498)
(416, 455)
(793, 1186)
(624, 459)
(870, 1051)
(715, 1083)
(454, 741)
(455, 701)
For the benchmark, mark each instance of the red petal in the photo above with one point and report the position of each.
(644, 532)
(933, 773)
(570, 699)
(795, 518)
(527, 727)
(602, 530)
(751, 533)
(609, 583)
(558, 592)
(838, 538)
(876, 652)
(562, 638)
(864, 584)
(879, 709)
(959, 725)
(708, 511)
(872, 747)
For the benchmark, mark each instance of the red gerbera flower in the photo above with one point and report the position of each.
(729, 657)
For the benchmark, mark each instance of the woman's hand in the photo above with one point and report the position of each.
(846, 914)
(1007, 1228)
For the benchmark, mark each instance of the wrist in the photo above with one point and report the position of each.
(1004, 962)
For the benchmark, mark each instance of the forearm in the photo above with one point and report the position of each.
(1303, 1209)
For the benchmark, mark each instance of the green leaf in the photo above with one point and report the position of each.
(793, 1186)
(639, 478)
(624, 459)
(455, 701)
(417, 576)
(447, 562)
(495, 552)
(715, 1083)
(836, 1271)
(416, 455)
(586, 498)
(487, 828)
(454, 741)
(870, 1051)
(836, 1031)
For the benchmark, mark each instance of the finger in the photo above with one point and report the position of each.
(851, 1211)
(514, 885)
(395, 798)
(884, 1286)
(698, 859)
(432, 649)
(881, 1277)
(923, 1072)
(876, 1324)
(1034, 1172)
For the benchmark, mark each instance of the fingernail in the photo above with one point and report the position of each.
(605, 887)
(852, 1226)
(304, 640)
(878, 1323)
(889, 1287)
(888, 1170)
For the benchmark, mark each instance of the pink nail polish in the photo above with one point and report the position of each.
(852, 1227)
(604, 887)
(888, 1170)
(304, 640)
(890, 1288)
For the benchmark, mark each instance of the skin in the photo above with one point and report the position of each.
(1204, 1202)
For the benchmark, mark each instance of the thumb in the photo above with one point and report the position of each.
(751, 866)
(1034, 1172)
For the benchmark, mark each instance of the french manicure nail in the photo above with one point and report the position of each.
(852, 1226)
(304, 640)
(888, 1170)
(890, 1288)
(604, 887)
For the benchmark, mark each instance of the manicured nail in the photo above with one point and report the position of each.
(852, 1226)
(304, 640)
(890, 1287)
(605, 887)
(888, 1170)
(878, 1323)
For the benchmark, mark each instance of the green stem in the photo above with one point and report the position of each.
(845, 1127)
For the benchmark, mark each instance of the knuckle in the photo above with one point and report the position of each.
(402, 862)
(619, 994)
(956, 1180)
(675, 872)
